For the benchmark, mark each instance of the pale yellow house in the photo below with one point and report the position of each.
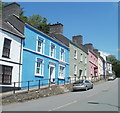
(100, 67)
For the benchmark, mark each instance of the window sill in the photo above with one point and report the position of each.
(39, 75)
(75, 58)
(62, 61)
(61, 77)
(6, 57)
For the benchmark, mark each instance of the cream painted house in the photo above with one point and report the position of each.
(100, 67)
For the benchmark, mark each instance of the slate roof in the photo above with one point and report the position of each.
(82, 47)
(61, 38)
(19, 25)
(8, 28)
(93, 52)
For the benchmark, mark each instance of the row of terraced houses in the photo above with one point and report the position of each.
(27, 53)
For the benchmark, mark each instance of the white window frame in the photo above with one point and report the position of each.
(42, 67)
(63, 56)
(85, 59)
(42, 45)
(75, 70)
(54, 53)
(61, 77)
(75, 54)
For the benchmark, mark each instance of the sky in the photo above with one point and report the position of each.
(97, 22)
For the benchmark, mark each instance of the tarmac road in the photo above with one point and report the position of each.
(103, 97)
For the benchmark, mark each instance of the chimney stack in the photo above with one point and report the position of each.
(56, 28)
(97, 52)
(10, 9)
(90, 46)
(78, 39)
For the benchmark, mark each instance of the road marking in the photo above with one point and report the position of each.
(92, 95)
(63, 105)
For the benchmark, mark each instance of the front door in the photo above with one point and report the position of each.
(52, 73)
(80, 73)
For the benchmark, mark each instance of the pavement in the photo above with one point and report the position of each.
(36, 88)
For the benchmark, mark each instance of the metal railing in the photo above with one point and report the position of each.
(42, 83)
(27, 85)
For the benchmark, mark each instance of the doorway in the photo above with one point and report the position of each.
(80, 73)
(52, 73)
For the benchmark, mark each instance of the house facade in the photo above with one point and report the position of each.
(11, 44)
(107, 66)
(78, 58)
(43, 57)
(100, 67)
(92, 62)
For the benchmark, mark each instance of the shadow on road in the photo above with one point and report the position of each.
(103, 103)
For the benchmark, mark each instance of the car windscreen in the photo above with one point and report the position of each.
(78, 82)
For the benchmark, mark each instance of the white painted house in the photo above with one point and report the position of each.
(11, 42)
(108, 66)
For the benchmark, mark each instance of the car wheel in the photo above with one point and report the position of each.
(92, 87)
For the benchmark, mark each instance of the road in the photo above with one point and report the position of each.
(103, 97)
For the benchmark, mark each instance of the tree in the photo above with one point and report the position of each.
(115, 64)
(116, 69)
(40, 23)
(3, 4)
(111, 59)
(21, 16)
(36, 20)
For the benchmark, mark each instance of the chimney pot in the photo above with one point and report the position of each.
(78, 39)
(89, 45)
(56, 28)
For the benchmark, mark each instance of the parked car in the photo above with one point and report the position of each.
(111, 77)
(82, 84)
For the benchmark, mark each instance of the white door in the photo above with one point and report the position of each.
(52, 73)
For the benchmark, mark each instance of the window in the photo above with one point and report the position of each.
(6, 48)
(52, 50)
(40, 43)
(75, 54)
(5, 74)
(87, 81)
(61, 71)
(62, 54)
(75, 69)
(85, 60)
(39, 67)
(81, 57)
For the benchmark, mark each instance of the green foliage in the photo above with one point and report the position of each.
(24, 18)
(35, 20)
(111, 59)
(3, 4)
(116, 69)
(38, 22)
(115, 64)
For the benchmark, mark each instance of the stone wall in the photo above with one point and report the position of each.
(35, 94)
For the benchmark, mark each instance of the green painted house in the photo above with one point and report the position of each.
(78, 58)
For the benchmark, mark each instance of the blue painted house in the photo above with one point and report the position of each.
(44, 57)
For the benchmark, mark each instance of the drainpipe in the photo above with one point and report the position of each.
(20, 64)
